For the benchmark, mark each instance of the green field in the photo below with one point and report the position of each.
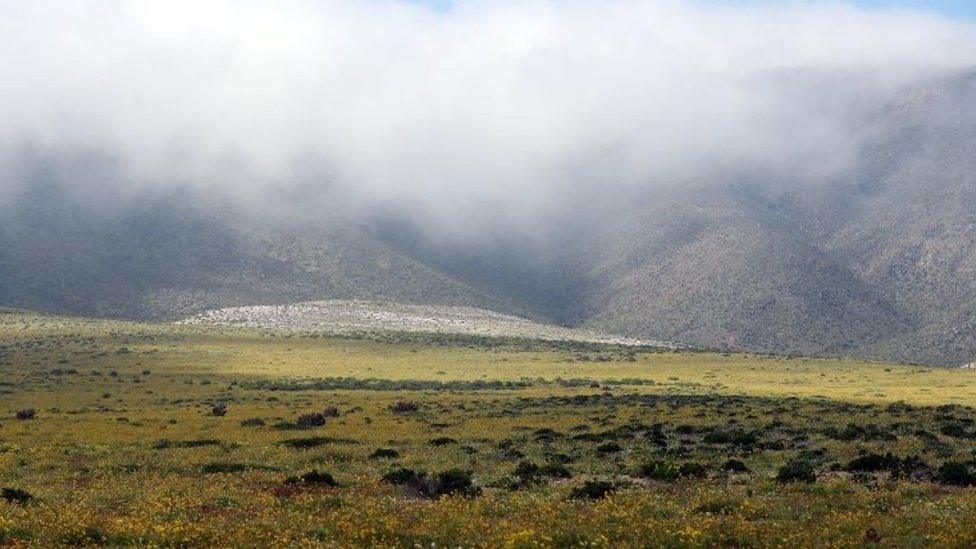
(162, 435)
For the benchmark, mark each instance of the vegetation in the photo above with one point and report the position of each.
(698, 449)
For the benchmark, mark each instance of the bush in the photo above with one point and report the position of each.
(735, 466)
(454, 482)
(307, 421)
(593, 489)
(955, 473)
(253, 422)
(441, 441)
(450, 482)
(608, 448)
(304, 443)
(872, 463)
(666, 470)
(796, 471)
(219, 410)
(223, 467)
(555, 470)
(384, 453)
(404, 477)
(16, 495)
(526, 472)
(692, 470)
(29, 413)
(314, 478)
(330, 411)
(404, 407)
(735, 437)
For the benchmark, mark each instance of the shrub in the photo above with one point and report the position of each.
(718, 507)
(658, 470)
(253, 422)
(555, 470)
(16, 495)
(735, 466)
(330, 411)
(526, 472)
(593, 489)
(441, 441)
(317, 478)
(608, 448)
(404, 477)
(692, 470)
(956, 474)
(304, 443)
(736, 437)
(29, 413)
(307, 421)
(219, 410)
(384, 453)
(454, 482)
(450, 482)
(796, 471)
(223, 467)
(404, 407)
(872, 463)
(912, 467)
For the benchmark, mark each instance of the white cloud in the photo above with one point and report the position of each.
(494, 106)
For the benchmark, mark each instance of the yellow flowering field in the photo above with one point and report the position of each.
(117, 434)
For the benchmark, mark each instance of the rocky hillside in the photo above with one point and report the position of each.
(357, 316)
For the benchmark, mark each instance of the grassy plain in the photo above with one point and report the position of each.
(162, 435)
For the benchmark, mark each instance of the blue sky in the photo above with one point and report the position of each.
(952, 8)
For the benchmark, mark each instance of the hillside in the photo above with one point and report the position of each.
(356, 316)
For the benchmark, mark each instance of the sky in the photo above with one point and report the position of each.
(492, 110)
(951, 8)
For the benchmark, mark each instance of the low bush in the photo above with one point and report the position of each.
(955, 473)
(404, 407)
(384, 453)
(16, 495)
(223, 467)
(330, 411)
(454, 482)
(735, 466)
(593, 490)
(308, 421)
(314, 478)
(29, 413)
(796, 471)
(608, 448)
(442, 441)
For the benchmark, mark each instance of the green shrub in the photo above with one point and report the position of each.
(955, 473)
(308, 421)
(223, 467)
(797, 471)
(384, 453)
(735, 466)
(313, 477)
(16, 495)
(454, 482)
(608, 448)
(593, 489)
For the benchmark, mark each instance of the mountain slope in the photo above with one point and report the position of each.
(156, 259)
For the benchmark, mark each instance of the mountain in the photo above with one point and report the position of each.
(164, 259)
(877, 261)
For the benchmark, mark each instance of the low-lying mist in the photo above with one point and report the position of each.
(491, 115)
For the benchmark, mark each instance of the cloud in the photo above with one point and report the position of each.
(493, 110)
